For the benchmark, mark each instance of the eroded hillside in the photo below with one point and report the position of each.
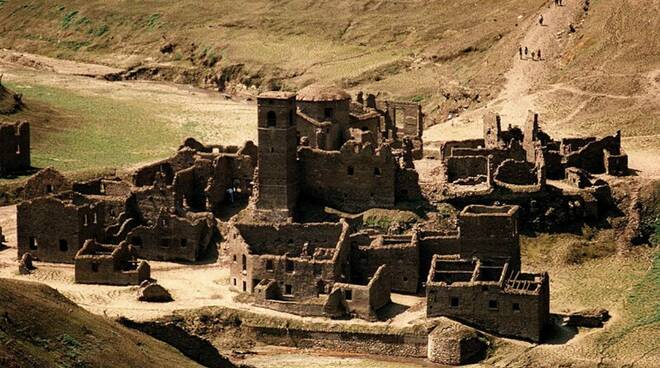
(41, 328)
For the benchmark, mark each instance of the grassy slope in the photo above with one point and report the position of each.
(87, 132)
(626, 285)
(41, 328)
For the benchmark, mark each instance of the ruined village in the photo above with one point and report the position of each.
(283, 216)
(329, 184)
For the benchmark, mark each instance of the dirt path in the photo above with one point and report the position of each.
(518, 95)
(58, 66)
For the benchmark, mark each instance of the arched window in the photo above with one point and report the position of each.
(271, 119)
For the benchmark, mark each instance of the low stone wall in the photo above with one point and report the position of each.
(355, 342)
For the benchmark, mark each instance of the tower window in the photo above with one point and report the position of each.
(269, 265)
(329, 113)
(348, 294)
(244, 262)
(288, 289)
(64, 245)
(377, 171)
(292, 120)
(516, 307)
(453, 302)
(95, 267)
(271, 119)
(289, 266)
(492, 304)
(350, 170)
(33, 243)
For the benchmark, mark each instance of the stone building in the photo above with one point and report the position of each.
(14, 148)
(489, 294)
(594, 155)
(278, 182)
(374, 170)
(303, 269)
(522, 160)
(174, 236)
(201, 175)
(400, 253)
(53, 228)
(109, 264)
(45, 182)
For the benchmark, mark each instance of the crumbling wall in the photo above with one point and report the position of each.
(517, 173)
(174, 238)
(111, 265)
(365, 300)
(401, 258)
(53, 229)
(466, 167)
(490, 232)
(363, 178)
(403, 118)
(14, 148)
(446, 148)
(45, 182)
(304, 259)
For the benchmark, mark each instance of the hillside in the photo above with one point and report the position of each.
(41, 328)
(409, 49)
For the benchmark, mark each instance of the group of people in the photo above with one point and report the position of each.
(559, 2)
(524, 52)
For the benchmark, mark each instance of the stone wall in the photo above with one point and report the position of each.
(174, 238)
(111, 265)
(304, 259)
(490, 232)
(460, 168)
(362, 177)
(53, 228)
(401, 256)
(45, 182)
(14, 148)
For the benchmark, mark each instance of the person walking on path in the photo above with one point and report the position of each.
(538, 52)
(533, 55)
(526, 51)
(520, 52)
(541, 19)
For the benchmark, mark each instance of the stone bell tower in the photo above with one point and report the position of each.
(277, 185)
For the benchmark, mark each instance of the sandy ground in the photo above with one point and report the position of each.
(526, 89)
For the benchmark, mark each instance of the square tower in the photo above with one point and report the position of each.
(278, 142)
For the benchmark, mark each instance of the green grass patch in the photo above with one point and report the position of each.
(100, 31)
(152, 20)
(98, 132)
(68, 18)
